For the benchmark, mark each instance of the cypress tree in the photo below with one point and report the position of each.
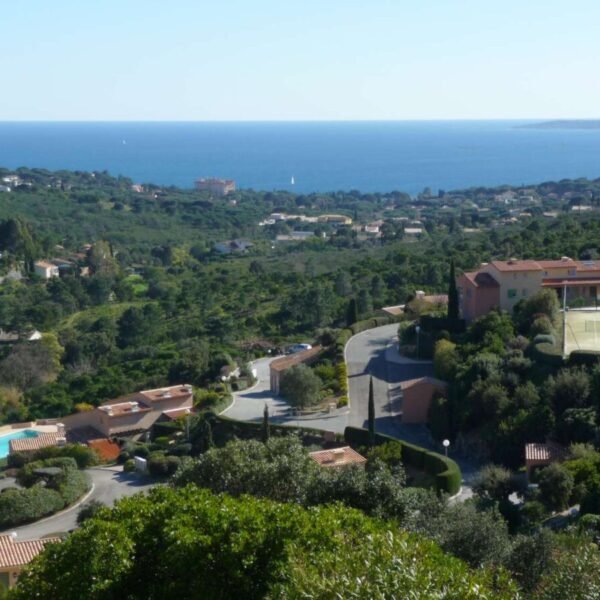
(266, 431)
(371, 414)
(452, 294)
(352, 312)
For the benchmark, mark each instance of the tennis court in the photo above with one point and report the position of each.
(583, 330)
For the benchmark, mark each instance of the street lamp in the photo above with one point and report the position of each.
(418, 330)
(446, 444)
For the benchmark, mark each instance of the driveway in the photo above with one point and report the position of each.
(110, 484)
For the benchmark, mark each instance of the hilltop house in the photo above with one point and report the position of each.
(501, 284)
(129, 415)
(45, 269)
(220, 187)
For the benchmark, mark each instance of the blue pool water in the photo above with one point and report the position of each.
(367, 156)
(18, 435)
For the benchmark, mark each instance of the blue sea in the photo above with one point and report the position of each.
(320, 156)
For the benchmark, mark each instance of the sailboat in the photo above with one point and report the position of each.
(292, 182)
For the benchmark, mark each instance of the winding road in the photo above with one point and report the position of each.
(108, 485)
(370, 353)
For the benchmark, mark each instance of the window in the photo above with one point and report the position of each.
(512, 293)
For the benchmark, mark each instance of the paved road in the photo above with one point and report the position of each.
(110, 484)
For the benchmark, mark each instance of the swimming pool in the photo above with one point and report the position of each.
(17, 435)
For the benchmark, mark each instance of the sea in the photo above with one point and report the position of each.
(305, 157)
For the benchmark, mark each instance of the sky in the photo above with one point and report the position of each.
(199, 60)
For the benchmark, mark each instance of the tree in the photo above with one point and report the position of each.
(365, 302)
(351, 312)
(453, 307)
(545, 302)
(493, 483)
(570, 388)
(445, 360)
(300, 386)
(145, 546)
(556, 485)
(265, 433)
(371, 414)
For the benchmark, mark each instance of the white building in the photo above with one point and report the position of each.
(45, 269)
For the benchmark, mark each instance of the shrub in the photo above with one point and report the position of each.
(22, 506)
(123, 457)
(83, 455)
(16, 460)
(390, 453)
(541, 326)
(543, 338)
(181, 450)
(88, 510)
(342, 401)
(129, 465)
(160, 465)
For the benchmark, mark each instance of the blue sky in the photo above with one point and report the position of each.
(314, 60)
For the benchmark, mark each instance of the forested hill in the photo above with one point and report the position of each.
(145, 298)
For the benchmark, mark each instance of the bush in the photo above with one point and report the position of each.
(181, 450)
(389, 452)
(541, 326)
(16, 460)
(547, 354)
(129, 465)
(589, 358)
(161, 466)
(83, 455)
(23, 506)
(543, 338)
(446, 472)
(342, 401)
(88, 510)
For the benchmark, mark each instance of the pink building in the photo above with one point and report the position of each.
(417, 395)
(502, 284)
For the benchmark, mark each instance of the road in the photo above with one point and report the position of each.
(110, 484)
(370, 353)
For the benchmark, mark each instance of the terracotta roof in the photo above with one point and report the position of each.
(409, 383)
(175, 391)
(516, 265)
(42, 440)
(394, 310)
(285, 362)
(338, 457)
(572, 282)
(544, 452)
(107, 450)
(175, 413)
(481, 279)
(44, 264)
(16, 554)
(123, 408)
(558, 264)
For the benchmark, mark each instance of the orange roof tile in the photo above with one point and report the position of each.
(544, 452)
(16, 554)
(338, 457)
(516, 265)
(30, 444)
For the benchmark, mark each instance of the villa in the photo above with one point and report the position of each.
(14, 556)
(501, 284)
(129, 415)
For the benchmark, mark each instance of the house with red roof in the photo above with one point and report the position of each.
(15, 555)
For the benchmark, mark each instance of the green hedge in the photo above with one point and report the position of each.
(370, 324)
(225, 429)
(445, 471)
(43, 494)
(588, 358)
(547, 354)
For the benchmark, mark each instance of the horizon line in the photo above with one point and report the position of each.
(419, 120)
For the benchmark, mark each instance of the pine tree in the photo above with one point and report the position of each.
(371, 414)
(452, 295)
(266, 431)
(352, 312)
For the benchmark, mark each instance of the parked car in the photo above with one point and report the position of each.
(298, 348)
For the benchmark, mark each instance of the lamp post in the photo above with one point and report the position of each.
(418, 330)
(446, 444)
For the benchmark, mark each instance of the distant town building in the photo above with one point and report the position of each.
(137, 188)
(45, 269)
(220, 187)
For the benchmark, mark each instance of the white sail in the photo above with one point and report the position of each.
(293, 182)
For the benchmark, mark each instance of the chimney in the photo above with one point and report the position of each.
(338, 454)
